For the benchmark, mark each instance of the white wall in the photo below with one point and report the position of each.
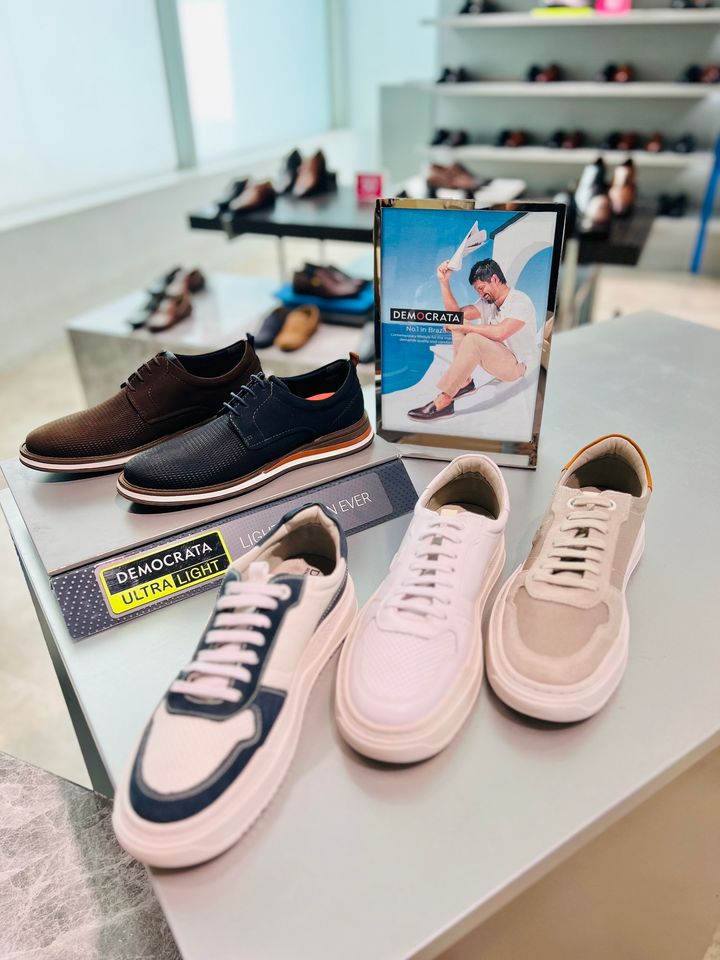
(384, 43)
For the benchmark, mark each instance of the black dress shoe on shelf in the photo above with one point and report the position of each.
(691, 74)
(431, 412)
(234, 190)
(458, 138)
(289, 174)
(684, 144)
(439, 137)
(268, 427)
(270, 327)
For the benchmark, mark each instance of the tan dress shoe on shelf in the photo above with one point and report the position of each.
(300, 324)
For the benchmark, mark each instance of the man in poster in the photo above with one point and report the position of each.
(498, 333)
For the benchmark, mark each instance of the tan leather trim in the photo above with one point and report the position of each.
(609, 436)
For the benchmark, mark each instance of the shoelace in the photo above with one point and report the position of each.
(153, 360)
(578, 548)
(426, 590)
(257, 382)
(231, 646)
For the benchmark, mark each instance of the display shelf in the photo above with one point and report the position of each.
(641, 18)
(572, 88)
(577, 157)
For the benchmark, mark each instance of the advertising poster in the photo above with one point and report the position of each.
(465, 300)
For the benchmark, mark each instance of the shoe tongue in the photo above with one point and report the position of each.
(451, 510)
(257, 572)
(277, 382)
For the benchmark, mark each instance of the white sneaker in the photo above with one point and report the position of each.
(411, 668)
(221, 741)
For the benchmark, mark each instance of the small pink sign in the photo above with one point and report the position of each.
(613, 8)
(368, 187)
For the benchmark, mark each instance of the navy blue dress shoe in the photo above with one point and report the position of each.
(268, 427)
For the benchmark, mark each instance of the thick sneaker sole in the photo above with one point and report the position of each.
(214, 830)
(80, 465)
(431, 734)
(565, 703)
(339, 444)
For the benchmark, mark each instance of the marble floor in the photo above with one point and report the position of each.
(35, 727)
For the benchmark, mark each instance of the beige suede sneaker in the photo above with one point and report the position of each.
(558, 638)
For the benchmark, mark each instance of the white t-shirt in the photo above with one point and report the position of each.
(519, 306)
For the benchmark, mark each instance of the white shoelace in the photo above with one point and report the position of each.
(427, 588)
(577, 549)
(233, 641)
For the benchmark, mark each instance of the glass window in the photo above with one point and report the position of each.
(257, 73)
(83, 98)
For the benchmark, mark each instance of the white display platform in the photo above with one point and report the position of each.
(107, 349)
(357, 860)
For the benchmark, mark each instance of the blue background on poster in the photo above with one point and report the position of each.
(413, 244)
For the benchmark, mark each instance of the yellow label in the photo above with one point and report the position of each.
(148, 577)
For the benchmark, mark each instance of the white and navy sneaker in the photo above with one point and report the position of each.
(221, 741)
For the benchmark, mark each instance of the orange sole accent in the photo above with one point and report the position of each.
(322, 396)
(329, 449)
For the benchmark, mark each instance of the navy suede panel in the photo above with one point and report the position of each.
(173, 807)
(179, 703)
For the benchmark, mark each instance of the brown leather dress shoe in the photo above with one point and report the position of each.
(655, 143)
(164, 397)
(255, 196)
(325, 282)
(187, 281)
(313, 177)
(454, 177)
(300, 324)
(171, 311)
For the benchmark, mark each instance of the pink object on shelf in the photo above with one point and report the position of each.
(368, 187)
(613, 8)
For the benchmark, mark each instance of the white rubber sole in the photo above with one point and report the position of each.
(209, 496)
(94, 466)
(558, 703)
(421, 740)
(209, 833)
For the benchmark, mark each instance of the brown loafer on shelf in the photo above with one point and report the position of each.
(454, 177)
(313, 177)
(655, 143)
(171, 311)
(300, 324)
(255, 196)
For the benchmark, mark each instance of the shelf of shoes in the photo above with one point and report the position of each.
(641, 18)
(577, 157)
(572, 88)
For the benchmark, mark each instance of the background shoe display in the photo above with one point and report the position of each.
(269, 426)
(291, 168)
(440, 137)
(685, 144)
(234, 189)
(300, 324)
(549, 74)
(453, 177)
(411, 669)
(458, 138)
(224, 735)
(558, 637)
(623, 189)
(326, 281)
(313, 177)
(164, 397)
(453, 75)
(255, 196)
(655, 143)
(270, 328)
(513, 138)
(169, 312)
